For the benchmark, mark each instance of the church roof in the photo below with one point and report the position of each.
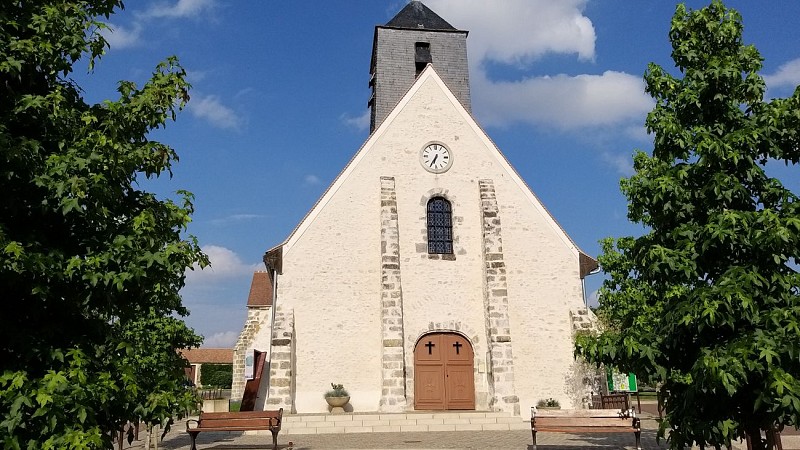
(260, 290)
(273, 257)
(208, 355)
(417, 16)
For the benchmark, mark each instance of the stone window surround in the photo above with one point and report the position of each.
(445, 194)
(442, 244)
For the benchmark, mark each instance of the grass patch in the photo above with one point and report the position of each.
(235, 406)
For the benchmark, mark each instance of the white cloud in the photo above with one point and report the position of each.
(195, 76)
(244, 92)
(638, 132)
(622, 164)
(216, 296)
(311, 180)
(236, 218)
(788, 75)
(224, 264)
(211, 109)
(215, 314)
(593, 300)
(360, 123)
(562, 101)
(183, 8)
(225, 339)
(119, 37)
(519, 32)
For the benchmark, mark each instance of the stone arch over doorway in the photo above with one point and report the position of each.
(471, 338)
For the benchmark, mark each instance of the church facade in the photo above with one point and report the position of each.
(428, 276)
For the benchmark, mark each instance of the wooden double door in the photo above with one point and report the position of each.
(443, 375)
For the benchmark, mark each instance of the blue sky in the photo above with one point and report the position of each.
(279, 106)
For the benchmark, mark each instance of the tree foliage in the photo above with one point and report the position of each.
(705, 303)
(90, 265)
(216, 375)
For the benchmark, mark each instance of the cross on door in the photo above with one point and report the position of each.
(457, 345)
(430, 346)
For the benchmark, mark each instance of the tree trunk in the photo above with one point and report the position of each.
(774, 439)
(754, 441)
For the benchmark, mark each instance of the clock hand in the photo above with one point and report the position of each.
(434, 159)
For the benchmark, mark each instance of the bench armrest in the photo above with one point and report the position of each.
(197, 423)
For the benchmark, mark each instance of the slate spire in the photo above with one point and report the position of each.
(401, 50)
(416, 16)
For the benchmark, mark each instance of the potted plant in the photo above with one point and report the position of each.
(337, 397)
(549, 403)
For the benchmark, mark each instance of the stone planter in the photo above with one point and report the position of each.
(217, 405)
(337, 403)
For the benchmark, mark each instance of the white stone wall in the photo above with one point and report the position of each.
(331, 279)
(331, 267)
(255, 335)
(543, 286)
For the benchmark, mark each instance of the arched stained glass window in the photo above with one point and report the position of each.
(440, 226)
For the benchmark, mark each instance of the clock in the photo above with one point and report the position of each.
(436, 158)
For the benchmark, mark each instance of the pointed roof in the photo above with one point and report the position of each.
(260, 290)
(274, 256)
(417, 16)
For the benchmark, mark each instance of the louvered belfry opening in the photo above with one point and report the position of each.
(422, 56)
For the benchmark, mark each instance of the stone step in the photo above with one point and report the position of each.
(400, 422)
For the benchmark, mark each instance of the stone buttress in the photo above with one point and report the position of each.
(498, 328)
(393, 393)
(282, 364)
(257, 319)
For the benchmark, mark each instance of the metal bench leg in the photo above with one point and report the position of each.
(194, 438)
(274, 439)
(533, 432)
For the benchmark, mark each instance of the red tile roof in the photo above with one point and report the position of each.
(209, 355)
(260, 290)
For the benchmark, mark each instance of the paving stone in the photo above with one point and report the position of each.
(178, 439)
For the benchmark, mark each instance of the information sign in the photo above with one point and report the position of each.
(620, 382)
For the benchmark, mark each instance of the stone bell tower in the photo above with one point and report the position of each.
(402, 48)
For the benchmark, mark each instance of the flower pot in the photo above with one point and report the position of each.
(337, 403)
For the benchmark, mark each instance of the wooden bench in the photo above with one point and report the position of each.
(585, 421)
(237, 421)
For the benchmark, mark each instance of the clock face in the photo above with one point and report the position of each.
(436, 158)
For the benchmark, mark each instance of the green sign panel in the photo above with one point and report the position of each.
(621, 382)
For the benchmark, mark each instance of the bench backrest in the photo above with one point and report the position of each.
(584, 422)
(576, 413)
(264, 419)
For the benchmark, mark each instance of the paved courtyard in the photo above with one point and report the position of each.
(520, 439)
(178, 439)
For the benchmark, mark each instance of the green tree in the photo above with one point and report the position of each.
(705, 303)
(216, 375)
(90, 265)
